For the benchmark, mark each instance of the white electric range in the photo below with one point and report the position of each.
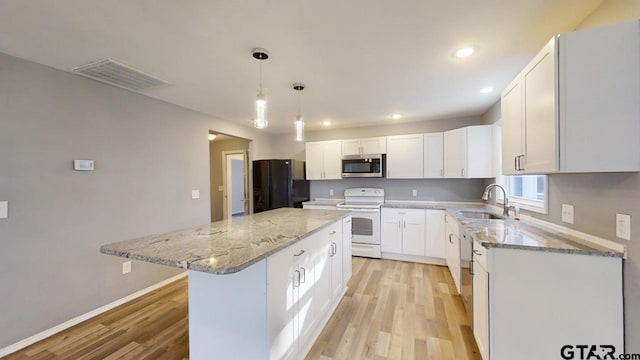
(365, 205)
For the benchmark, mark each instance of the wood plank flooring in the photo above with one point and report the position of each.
(397, 310)
(392, 310)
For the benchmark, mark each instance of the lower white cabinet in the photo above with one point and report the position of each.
(418, 233)
(305, 282)
(347, 237)
(452, 251)
(529, 305)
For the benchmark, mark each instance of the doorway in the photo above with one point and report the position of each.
(234, 196)
(229, 176)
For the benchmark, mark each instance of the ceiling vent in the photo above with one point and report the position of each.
(118, 74)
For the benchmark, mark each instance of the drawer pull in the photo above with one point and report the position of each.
(333, 232)
(300, 253)
(477, 252)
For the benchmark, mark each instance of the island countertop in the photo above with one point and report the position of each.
(226, 246)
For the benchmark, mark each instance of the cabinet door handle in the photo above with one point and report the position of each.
(404, 223)
(441, 172)
(450, 238)
(471, 268)
(300, 253)
(334, 247)
(477, 252)
(399, 224)
(520, 163)
(515, 162)
(333, 232)
(303, 275)
(402, 213)
(462, 172)
(296, 279)
(348, 221)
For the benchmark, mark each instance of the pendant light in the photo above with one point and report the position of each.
(260, 121)
(299, 123)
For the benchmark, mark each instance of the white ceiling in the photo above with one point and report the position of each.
(361, 60)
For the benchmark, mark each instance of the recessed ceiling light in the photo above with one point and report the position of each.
(396, 116)
(486, 90)
(464, 52)
(326, 123)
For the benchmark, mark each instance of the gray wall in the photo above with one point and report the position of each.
(149, 155)
(401, 189)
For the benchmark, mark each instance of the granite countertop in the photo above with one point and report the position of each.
(227, 246)
(324, 202)
(510, 233)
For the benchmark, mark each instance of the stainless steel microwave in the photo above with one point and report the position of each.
(363, 166)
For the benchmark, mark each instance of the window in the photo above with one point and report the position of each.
(528, 191)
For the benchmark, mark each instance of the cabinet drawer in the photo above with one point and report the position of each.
(480, 255)
(397, 212)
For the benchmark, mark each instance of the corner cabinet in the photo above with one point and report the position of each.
(324, 160)
(576, 106)
(376, 145)
(405, 156)
(467, 152)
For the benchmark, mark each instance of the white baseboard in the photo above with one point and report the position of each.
(78, 319)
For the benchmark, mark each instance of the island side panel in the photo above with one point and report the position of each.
(228, 314)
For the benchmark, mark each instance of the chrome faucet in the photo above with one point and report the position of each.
(485, 197)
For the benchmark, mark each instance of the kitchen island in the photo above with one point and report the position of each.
(260, 286)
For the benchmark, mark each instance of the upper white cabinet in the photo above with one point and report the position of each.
(576, 106)
(405, 156)
(467, 152)
(377, 145)
(433, 155)
(324, 160)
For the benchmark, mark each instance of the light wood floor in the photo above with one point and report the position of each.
(392, 310)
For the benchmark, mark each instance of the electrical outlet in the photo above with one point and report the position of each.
(126, 267)
(623, 226)
(567, 213)
(195, 194)
(4, 209)
(331, 192)
(414, 192)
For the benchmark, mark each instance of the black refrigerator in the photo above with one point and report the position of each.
(279, 183)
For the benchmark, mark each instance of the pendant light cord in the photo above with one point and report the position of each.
(260, 77)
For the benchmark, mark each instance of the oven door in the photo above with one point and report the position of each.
(365, 226)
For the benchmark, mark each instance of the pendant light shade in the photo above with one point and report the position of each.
(260, 120)
(299, 123)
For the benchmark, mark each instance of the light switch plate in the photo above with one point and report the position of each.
(4, 209)
(567, 213)
(195, 194)
(414, 192)
(623, 226)
(126, 267)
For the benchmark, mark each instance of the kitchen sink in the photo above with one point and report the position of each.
(480, 215)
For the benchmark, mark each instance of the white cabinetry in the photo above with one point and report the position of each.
(575, 106)
(412, 234)
(403, 231)
(405, 156)
(508, 283)
(376, 145)
(433, 155)
(347, 236)
(305, 282)
(481, 300)
(435, 246)
(467, 152)
(323, 160)
(453, 250)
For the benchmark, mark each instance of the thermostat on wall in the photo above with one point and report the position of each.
(83, 165)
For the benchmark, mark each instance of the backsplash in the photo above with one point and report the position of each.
(396, 189)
